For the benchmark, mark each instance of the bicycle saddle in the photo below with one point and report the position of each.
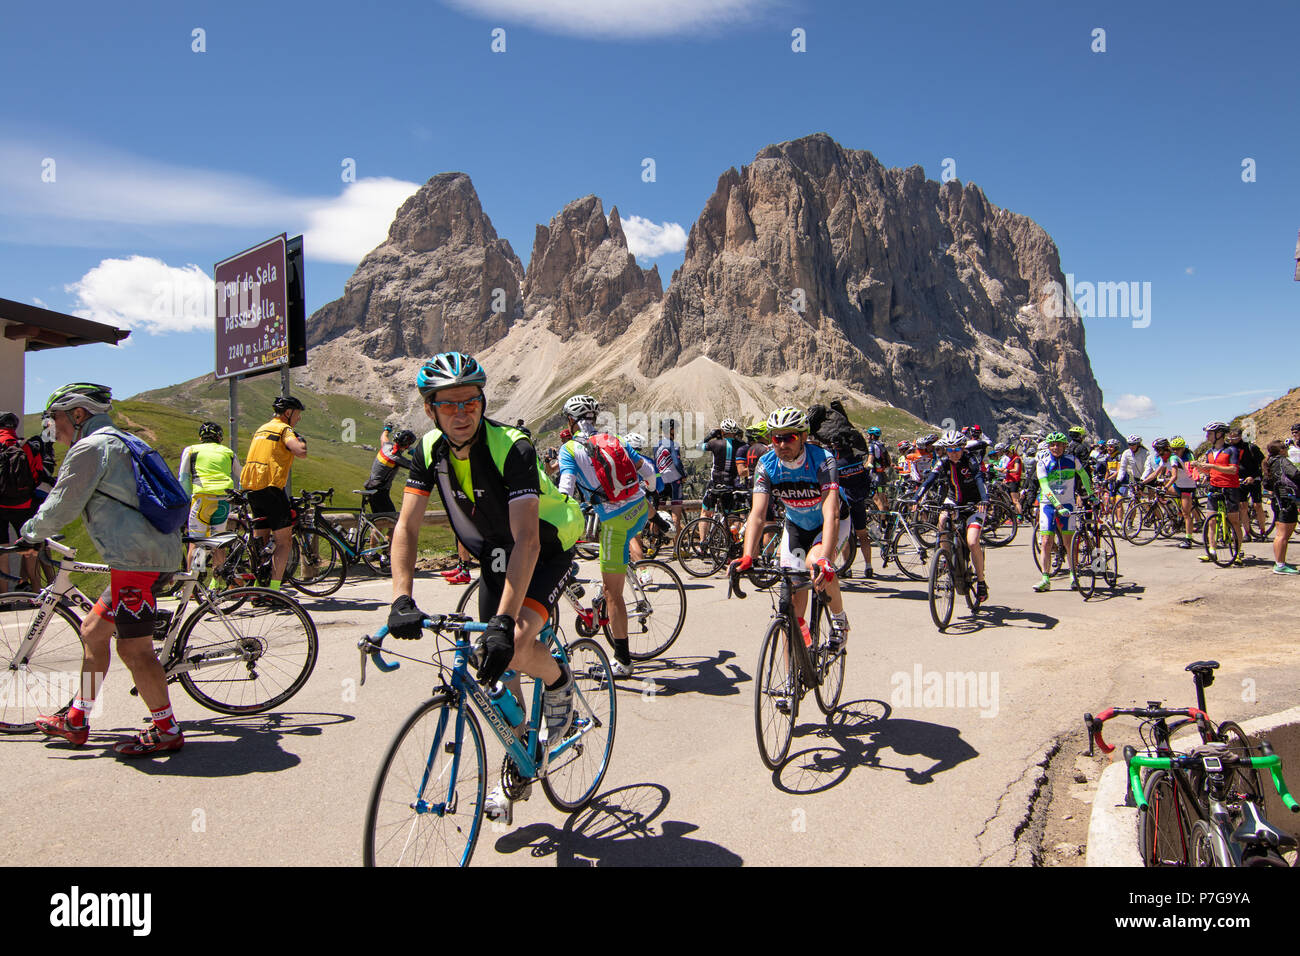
(1255, 829)
(1205, 669)
(365, 493)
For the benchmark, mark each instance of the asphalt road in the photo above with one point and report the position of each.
(899, 776)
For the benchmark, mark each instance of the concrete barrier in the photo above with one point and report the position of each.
(1112, 828)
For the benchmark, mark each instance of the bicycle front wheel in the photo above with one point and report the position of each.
(245, 651)
(319, 566)
(50, 674)
(1164, 829)
(1219, 541)
(1207, 846)
(776, 699)
(468, 603)
(913, 557)
(656, 608)
(578, 763)
(375, 548)
(829, 664)
(426, 804)
(942, 589)
(1085, 556)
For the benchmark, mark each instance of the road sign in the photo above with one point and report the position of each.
(252, 310)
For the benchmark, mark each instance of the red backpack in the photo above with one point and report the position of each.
(613, 466)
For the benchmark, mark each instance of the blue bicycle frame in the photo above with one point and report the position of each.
(463, 686)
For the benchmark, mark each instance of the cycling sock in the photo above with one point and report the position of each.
(165, 721)
(275, 585)
(77, 712)
(564, 676)
(621, 651)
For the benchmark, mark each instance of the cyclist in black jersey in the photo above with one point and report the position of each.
(725, 443)
(964, 487)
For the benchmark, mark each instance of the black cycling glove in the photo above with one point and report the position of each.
(496, 646)
(405, 620)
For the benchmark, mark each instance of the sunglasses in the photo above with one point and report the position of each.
(452, 408)
(784, 437)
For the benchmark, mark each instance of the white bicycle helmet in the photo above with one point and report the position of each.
(787, 419)
(952, 439)
(581, 407)
(635, 441)
(729, 426)
(96, 399)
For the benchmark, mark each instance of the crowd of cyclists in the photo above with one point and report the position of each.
(518, 514)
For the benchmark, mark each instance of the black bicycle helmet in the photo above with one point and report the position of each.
(287, 403)
(211, 432)
(405, 438)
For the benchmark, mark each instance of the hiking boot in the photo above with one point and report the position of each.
(150, 741)
(57, 725)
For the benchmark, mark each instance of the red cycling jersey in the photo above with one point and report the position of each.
(1223, 456)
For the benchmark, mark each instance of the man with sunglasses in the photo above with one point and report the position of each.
(1222, 463)
(804, 478)
(966, 490)
(1058, 475)
(507, 514)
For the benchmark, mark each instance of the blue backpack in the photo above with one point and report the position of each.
(162, 499)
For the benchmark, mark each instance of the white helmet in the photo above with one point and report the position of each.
(635, 441)
(788, 418)
(952, 439)
(729, 425)
(581, 406)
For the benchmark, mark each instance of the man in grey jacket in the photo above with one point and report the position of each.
(97, 482)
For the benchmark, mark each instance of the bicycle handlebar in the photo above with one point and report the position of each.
(371, 646)
(1269, 761)
(1094, 724)
(51, 543)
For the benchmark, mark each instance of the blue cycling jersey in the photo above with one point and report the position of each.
(800, 485)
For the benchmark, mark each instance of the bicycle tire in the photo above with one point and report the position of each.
(324, 575)
(1247, 780)
(829, 665)
(1084, 553)
(376, 548)
(51, 674)
(400, 832)
(912, 561)
(1001, 525)
(1110, 556)
(848, 549)
(1271, 515)
(702, 555)
(463, 605)
(1206, 846)
(1139, 526)
(942, 589)
(662, 600)
(1217, 540)
(770, 555)
(573, 776)
(272, 626)
(968, 592)
(1163, 829)
(774, 682)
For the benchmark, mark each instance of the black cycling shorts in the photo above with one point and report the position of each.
(718, 499)
(1284, 509)
(271, 509)
(1231, 498)
(858, 513)
(549, 578)
(1254, 491)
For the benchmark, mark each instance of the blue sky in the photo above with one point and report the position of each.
(1131, 158)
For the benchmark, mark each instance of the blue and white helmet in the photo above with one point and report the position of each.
(447, 370)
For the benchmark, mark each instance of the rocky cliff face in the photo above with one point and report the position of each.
(433, 284)
(813, 263)
(581, 277)
(818, 258)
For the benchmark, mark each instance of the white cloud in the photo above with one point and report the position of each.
(1259, 403)
(1190, 270)
(39, 302)
(102, 196)
(145, 294)
(617, 18)
(1128, 407)
(346, 228)
(1215, 398)
(645, 240)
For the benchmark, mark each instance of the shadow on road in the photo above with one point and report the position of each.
(341, 604)
(712, 676)
(997, 615)
(618, 829)
(862, 734)
(223, 746)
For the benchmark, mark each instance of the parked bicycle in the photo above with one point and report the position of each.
(241, 651)
(426, 804)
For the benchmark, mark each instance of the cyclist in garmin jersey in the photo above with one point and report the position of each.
(1058, 473)
(1222, 464)
(803, 477)
(608, 472)
(964, 487)
(208, 472)
(509, 516)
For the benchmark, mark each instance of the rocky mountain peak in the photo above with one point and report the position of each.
(581, 276)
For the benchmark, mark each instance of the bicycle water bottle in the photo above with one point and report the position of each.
(505, 702)
(573, 588)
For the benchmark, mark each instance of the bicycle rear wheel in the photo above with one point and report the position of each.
(847, 550)
(263, 663)
(319, 567)
(1084, 556)
(703, 547)
(1219, 541)
(1164, 829)
(1001, 525)
(468, 603)
(50, 676)
(426, 804)
(656, 609)
(776, 699)
(1244, 780)
(575, 772)
(942, 590)
(1139, 526)
(829, 664)
(377, 543)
